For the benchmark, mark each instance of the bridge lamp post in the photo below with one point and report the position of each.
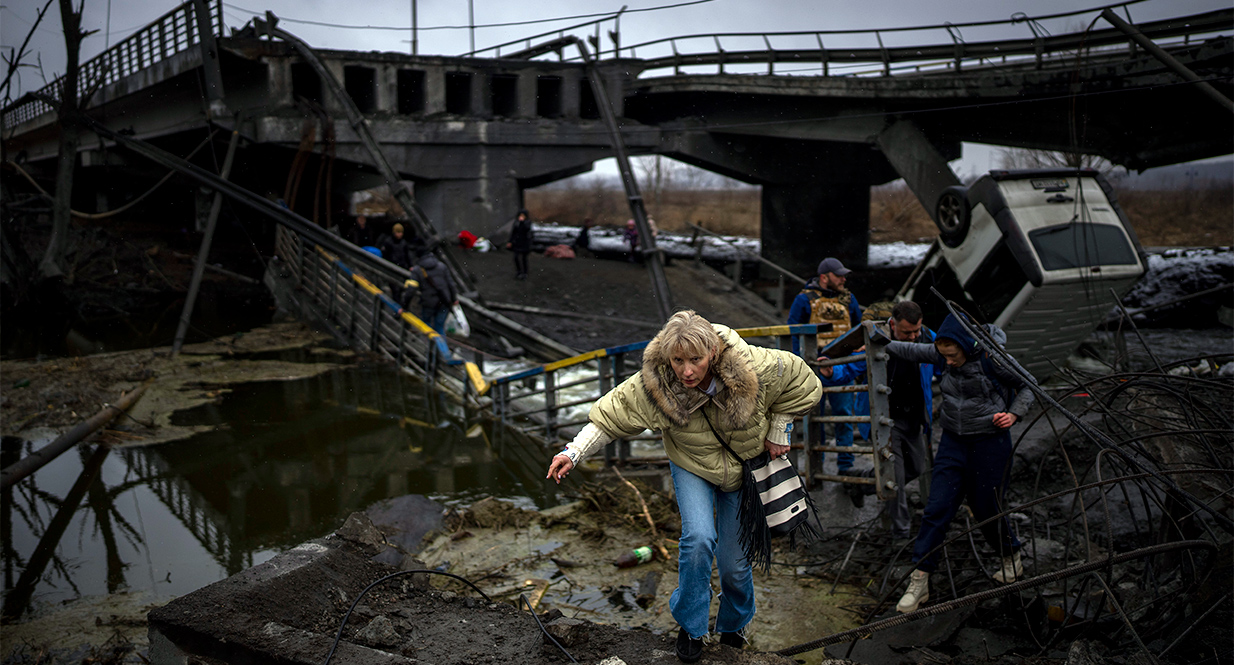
(415, 43)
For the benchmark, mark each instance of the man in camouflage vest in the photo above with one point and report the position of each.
(825, 300)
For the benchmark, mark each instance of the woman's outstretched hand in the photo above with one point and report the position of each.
(559, 468)
(774, 449)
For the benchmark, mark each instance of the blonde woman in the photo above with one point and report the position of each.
(698, 381)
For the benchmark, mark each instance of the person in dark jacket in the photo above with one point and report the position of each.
(436, 289)
(396, 249)
(583, 240)
(974, 454)
(911, 403)
(826, 300)
(520, 243)
(361, 235)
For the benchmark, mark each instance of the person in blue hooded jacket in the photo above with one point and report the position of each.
(981, 401)
(911, 403)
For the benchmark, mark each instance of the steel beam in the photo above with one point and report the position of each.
(203, 253)
(1167, 59)
(647, 242)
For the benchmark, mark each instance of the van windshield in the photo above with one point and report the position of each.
(1081, 244)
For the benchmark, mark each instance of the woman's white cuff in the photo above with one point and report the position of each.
(587, 441)
(781, 430)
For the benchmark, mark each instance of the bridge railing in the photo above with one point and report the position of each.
(171, 33)
(873, 53)
(551, 402)
(368, 319)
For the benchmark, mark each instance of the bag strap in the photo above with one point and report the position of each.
(703, 409)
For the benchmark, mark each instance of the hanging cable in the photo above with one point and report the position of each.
(130, 204)
(468, 27)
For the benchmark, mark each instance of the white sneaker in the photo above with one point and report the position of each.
(918, 592)
(1011, 569)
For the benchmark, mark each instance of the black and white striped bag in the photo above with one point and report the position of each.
(774, 503)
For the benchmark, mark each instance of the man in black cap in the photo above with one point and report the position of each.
(825, 300)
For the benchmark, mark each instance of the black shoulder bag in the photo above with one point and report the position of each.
(773, 503)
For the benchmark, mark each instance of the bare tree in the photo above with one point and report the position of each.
(1024, 158)
(52, 265)
(15, 57)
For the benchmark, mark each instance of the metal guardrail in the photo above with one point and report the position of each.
(534, 397)
(368, 319)
(171, 33)
(1034, 52)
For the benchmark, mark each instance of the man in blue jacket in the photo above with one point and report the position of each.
(825, 300)
(911, 404)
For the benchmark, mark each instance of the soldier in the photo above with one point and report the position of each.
(825, 300)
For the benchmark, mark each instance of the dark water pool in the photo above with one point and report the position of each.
(283, 462)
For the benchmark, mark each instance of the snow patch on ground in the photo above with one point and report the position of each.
(723, 248)
(897, 254)
(1174, 273)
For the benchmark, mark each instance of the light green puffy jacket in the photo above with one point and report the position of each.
(754, 384)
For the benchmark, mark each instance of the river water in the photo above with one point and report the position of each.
(284, 463)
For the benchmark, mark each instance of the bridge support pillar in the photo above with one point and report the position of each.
(805, 222)
(478, 205)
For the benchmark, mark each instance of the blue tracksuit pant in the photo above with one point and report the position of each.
(972, 468)
(841, 405)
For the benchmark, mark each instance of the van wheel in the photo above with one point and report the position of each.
(951, 214)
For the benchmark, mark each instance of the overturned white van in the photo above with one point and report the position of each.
(1035, 252)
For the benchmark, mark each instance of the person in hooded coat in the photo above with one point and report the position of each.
(397, 249)
(695, 376)
(981, 401)
(436, 289)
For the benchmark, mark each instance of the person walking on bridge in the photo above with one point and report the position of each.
(437, 293)
(396, 249)
(911, 404)
(699, 382)
(981, 401)
(826, 300)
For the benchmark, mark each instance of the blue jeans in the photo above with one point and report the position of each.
(971, 468)
(436, 319)
(710, 529)
(841, 405)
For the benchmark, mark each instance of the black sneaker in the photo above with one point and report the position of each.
(856, 493)
(689, 649)
(857, 496)
(734, 640)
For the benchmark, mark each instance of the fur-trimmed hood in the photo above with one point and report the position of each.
(733, 368)
(754, 384)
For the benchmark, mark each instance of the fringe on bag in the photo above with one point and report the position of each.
(756, 535)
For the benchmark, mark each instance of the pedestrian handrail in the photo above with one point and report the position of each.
(949, 57)
(368, 319)
(538, 397)
(176, 31)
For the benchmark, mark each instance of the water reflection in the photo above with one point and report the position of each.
(284, 462)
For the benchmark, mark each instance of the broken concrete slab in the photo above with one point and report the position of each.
(288, 610)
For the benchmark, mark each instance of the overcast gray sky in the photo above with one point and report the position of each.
(443, 24)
